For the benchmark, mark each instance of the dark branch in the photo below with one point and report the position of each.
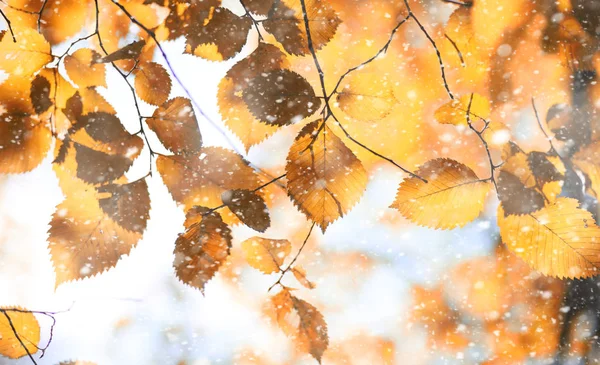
(284, 271)
(539, 121)
(313, 52)
(9, 26)
(460, 56)
(479, 134)
(12, 327)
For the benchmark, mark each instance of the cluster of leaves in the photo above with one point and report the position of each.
(54, 101)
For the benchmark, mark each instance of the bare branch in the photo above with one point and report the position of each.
(479, 134)
(9, 26)
(284, 271)
(12, 327)
(460, 56)
(537, 117)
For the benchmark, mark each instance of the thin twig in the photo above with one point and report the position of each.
(9, 26)
(456, 2)
(460, 56)
(376, 153)
(39, 19)
(381, 51)
(284, 271)
(254, 22)
(437, 51)
(313, 52)
(539, 121)
(479, 134)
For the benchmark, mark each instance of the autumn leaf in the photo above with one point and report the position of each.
(325, 179)
(367, 97)
(219, 37)
(83, 69)
(27, 55)
(560, 240)
(286, 23)
(302, 322)
(452, 196)
(152, 83)
(249, 207)
(203, 248)
(24, 142)
(17, 323)
(515, 197)
(126, 204)
(63, 19)
(175, 124)
(455, 111)
(259, 7)
(280, 97)
(232, 87)
(300, 275)
(266, 254)
(131, 51)
(202, 178)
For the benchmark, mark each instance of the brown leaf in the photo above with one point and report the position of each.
(235, 113)
(40, 94)
(126, 204)
(73, 107)
(26, 327)
(249, 207)
(152, 83)
(129, 52)
(452, 196)
(96, 167)
(543, 169)
(280, 97)
(83, 69)
(201, 179)
(515, 197)
(219, 37)
(302, 322)
(259, 7)
(325, 179)
(24, 142)
(300, 275)
(286, 23)
(266, 254)
(176, 126)
(202, 249)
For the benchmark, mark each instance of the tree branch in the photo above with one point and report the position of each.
(12, 327)
(539, 121)
(9, 26)
(284, 271)
(483, 142)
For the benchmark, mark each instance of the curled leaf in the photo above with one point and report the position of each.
(129, 52)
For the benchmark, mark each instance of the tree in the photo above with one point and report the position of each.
(399, 100)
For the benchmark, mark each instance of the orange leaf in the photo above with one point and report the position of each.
(265, 254)
(176, 126)
(26, 327)
(27, 55)
(83, 69)
(152, 83)
(24, 142)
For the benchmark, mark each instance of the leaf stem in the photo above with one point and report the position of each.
(479, 134)
(284, 271)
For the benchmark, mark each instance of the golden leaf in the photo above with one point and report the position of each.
(201, 179)
(286, 23)
(300, 275)
(27, 55)
(26, 327)
(455, 111)
(152, 83)
(176, 126)
(266, 254)
(83, 69)
(64, 19)
(24, 142)
(367, 97)
(235, 113)
(558, 240)
(203, 248)
(325, 179)
(452, 196)
(249, 207)
(302, 322)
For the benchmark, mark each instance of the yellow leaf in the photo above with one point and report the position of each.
(24, 142)
(455, 111)
(300, 275)
(452, 196)
(265, 254)
(64, 19)
(25, 56)
(558, 240)
(302, 322)
(325, 179)
(83, 70)
(26, 327)
(367, 97)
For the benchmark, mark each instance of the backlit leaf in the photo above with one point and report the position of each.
(152, 83)
(452, 196)
(325, 179)
(266, 254)
(40, 94)
(83, 69)
(367, 97)
(286, 23)
(235, 113)
(129, 52)
(63, 19)
(560, 240)
(202, 249)
(302, 322)
(24, 142)
(515, 197)
(176, 126)
(126, 204)
(26, 56)
(300, 275)
(259, 7)
(249, 207)
(455, 111)
(280, 97)
(27, 328)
